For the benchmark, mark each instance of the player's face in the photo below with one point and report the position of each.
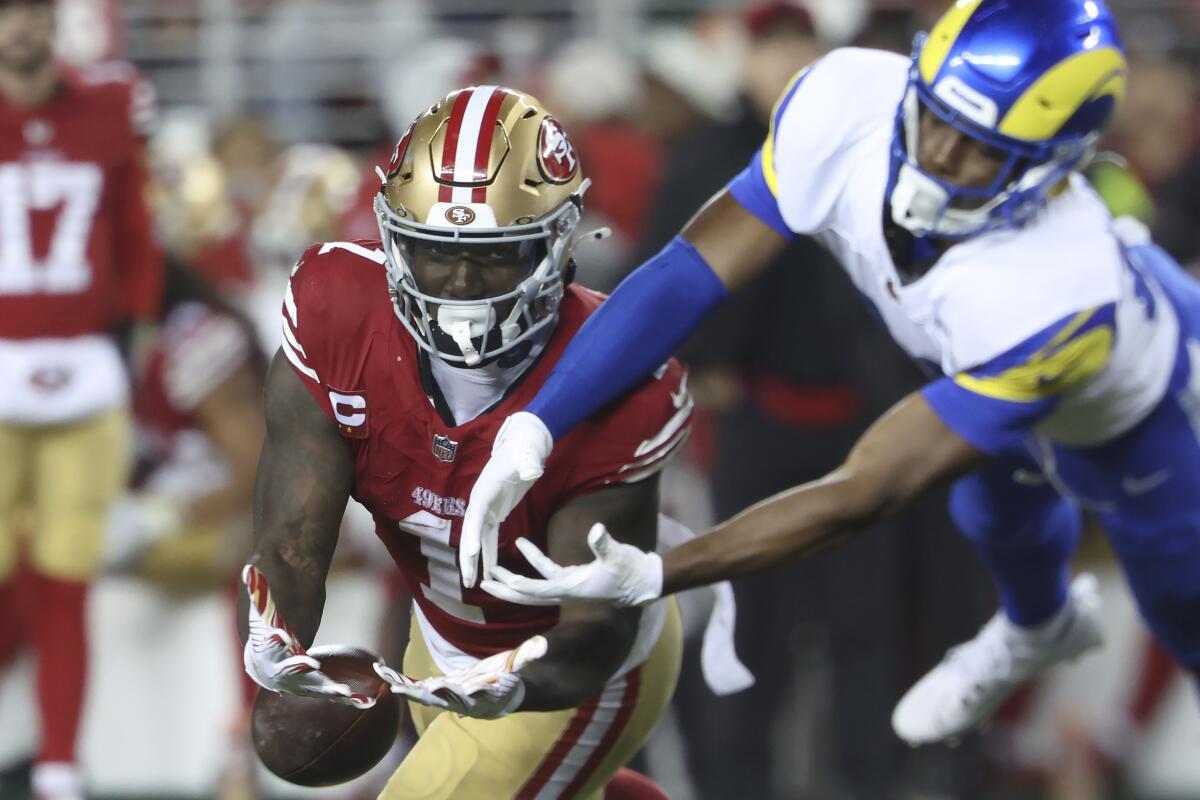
(471, 272)
(951, 155)
(26, 34)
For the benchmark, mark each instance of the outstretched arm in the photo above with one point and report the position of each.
(646, 320)
(655, 309)
(904, 453)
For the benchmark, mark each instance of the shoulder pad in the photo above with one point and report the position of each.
(829, 107)
(336, 294)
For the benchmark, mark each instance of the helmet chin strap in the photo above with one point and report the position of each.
(916, 200)
(465, 323)
(919, 202)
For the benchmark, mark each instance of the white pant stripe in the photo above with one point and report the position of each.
(591, 737)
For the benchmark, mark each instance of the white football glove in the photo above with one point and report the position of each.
(518, 458)
(276, 661)
(488, 689)
(621, 575)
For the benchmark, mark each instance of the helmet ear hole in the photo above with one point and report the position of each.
(569, 272)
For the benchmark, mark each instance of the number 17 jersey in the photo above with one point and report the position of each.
(77, 251)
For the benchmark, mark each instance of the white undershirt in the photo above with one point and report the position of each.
(471, 391)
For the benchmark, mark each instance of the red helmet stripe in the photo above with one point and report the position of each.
(450, 143)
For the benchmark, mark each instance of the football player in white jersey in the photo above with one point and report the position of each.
(1064, 348)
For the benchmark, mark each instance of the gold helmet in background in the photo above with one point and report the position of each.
(485, 168)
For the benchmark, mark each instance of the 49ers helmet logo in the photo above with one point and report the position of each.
(556, 155)
(460, 215)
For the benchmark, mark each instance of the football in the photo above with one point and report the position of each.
(313, 742)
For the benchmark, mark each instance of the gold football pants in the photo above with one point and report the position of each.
(557, 754)
(59, 480)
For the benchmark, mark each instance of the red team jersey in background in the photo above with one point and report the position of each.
(197, 350)
(77, 252)
(415, 471)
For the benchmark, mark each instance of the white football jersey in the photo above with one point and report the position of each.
(827, 165)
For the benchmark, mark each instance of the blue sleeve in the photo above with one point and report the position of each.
(995, 405)
(646, 320)
(991, 425)
(750, 189)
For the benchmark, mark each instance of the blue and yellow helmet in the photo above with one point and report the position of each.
(1036, 79)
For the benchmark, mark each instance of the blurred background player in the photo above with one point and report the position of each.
(77, 260)
(397, 365)
(181, 527)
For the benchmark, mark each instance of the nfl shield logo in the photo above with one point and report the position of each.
(443, 448)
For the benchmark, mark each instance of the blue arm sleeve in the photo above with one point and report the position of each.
(992, 425)
(647, 318)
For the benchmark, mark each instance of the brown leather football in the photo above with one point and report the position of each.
(320, 743)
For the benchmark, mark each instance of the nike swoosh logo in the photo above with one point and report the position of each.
(1140, 486)
(1027, 477)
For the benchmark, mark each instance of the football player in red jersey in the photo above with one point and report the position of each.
(399, 361)
(76, 259)
(198, 450)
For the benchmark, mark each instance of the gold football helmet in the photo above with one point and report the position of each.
(485, 174)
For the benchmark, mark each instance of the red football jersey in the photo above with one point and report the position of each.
(77, 251)
(197, 350)
(415, 472)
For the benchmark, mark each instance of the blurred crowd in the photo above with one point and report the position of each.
(665, 105)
